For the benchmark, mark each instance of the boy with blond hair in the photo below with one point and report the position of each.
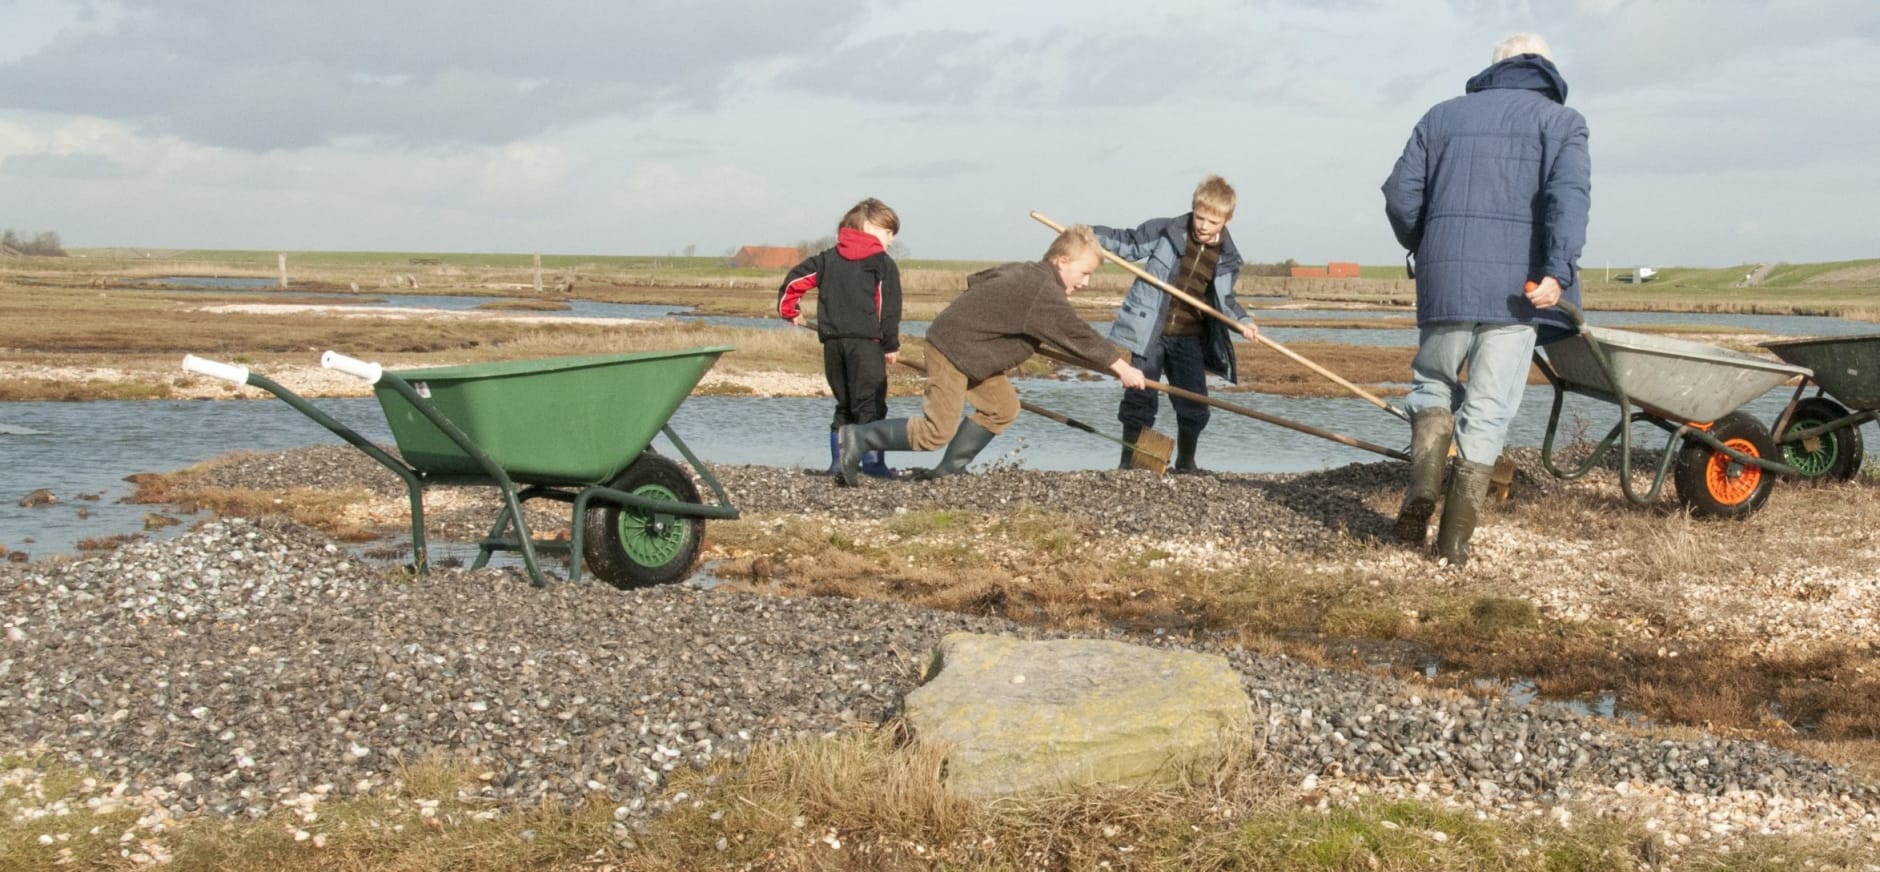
(1004, 315)
(858, 317)
(1167, 337)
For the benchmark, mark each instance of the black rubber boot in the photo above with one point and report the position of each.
(1185, 451)
(1130, 433)
(1468, 492)
(966, 445)
(859, 439)
(835, 453)
(1430, 433)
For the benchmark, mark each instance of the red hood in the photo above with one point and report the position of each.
(853, 244)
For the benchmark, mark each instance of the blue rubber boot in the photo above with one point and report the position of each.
(875, 465)
(835, 453)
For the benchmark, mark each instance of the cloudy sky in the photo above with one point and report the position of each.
(1723, 131)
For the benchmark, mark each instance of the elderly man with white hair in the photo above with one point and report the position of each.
(1491, 195)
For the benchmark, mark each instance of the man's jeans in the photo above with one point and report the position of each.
(1498, 356)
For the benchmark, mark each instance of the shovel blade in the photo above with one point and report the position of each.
(1153, 451)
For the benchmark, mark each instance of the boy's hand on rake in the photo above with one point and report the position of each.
(1131, 376)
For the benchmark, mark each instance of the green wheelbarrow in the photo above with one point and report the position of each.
(1820, 435)
(576, 430)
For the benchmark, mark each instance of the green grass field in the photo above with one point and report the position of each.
(1848, 288)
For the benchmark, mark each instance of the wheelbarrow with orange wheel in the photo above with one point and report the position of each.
(1722, 461)
(575, 430)
(1820, 435)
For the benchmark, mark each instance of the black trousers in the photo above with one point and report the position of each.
(1180, 357)
(858, 376)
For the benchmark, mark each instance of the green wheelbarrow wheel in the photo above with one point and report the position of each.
(1831, 456)
(630, 547)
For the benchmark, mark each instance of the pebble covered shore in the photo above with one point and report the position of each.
(247, 664)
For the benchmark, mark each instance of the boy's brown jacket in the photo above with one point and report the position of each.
(1003, 316)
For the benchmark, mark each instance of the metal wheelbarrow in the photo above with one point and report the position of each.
(1820, 436)
(1726, 464)
(576, 430)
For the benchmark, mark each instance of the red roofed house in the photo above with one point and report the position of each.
(766, 257)
(1333, 270)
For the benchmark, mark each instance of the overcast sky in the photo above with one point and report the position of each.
(1723, 132)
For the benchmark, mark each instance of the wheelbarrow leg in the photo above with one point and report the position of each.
(420, 554)
(511, 514)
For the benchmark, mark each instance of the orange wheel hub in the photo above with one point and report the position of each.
(1729, 482)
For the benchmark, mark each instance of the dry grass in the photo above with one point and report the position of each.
(865, 802)
(430, 820)
(336, 512)
(859, 801)
(1039, 568)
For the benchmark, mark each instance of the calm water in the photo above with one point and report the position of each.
(75, 449)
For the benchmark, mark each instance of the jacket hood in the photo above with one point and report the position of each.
(853, 244)
(1528, 72)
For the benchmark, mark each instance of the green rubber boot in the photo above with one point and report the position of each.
(965, 445)
(1430, 432)
(1462, 508)
(859, 439)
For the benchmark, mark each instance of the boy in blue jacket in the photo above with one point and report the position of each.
(1165, 336)
(858, 318)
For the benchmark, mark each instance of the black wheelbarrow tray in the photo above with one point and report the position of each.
(1821, 434)
(1724, 458)
(576, 430)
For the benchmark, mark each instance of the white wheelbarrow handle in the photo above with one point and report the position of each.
(367, 372)
(215, 369)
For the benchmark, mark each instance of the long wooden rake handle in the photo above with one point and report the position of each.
(1160, 454)
(1171, 390)
(1210, 311)
(1040, 411)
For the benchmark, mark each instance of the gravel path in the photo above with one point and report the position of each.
(249, 663)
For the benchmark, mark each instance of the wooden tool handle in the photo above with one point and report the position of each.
(1210, 311)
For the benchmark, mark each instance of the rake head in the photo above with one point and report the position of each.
(1153, 451)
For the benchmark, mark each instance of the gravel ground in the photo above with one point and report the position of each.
(250, 663)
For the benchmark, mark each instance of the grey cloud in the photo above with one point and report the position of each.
(1057, 69)
(82, 166)
(284, 75)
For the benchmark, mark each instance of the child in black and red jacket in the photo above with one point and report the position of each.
(858, 318)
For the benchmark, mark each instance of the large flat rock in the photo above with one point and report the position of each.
(1021, 716)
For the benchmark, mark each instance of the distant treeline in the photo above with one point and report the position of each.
(1282, 269)
(45, 244)
(807, 247)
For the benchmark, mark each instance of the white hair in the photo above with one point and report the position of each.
(1520, 44)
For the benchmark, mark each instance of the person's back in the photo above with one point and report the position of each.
(1494, 193)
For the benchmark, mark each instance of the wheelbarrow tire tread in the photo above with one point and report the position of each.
(1713, 486)
(627, 548)
(1839, 455)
